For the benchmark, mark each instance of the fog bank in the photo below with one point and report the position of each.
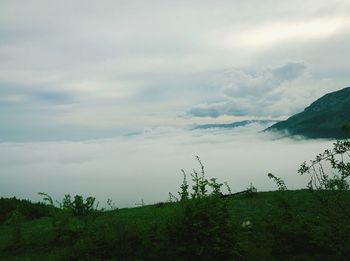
(147, 166)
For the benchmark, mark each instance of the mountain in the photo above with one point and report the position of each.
(324, 118)
(234, 124)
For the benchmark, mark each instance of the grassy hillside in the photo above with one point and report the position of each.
(279, 225)
(324, 118)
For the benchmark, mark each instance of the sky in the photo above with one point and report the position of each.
(98, 97)
(96, 69)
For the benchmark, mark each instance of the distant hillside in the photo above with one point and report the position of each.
(234, 124)
(324, 118)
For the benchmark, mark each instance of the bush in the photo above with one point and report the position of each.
(201, 230)
(29, 210)
(78, 207)
(331, 186)
(332, 191)
(339, 160)
(116, 240)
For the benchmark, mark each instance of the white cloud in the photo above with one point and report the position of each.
(268, 93)
(252, 93)
(147, 166)
(279, 33)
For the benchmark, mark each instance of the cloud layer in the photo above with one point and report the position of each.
(122, 65)
(255, 93)
(147, 166)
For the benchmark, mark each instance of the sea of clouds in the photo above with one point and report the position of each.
(147, 166)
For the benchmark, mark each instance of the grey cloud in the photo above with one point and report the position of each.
(251, 93)
(23, 35)
(20, 94)
(234, 107)
(290, 71)
(205, 111)
(241, 83)
(53, 97)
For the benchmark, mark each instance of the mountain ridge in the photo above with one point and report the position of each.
(324, 118)
(232, 125)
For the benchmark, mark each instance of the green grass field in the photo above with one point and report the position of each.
(279, 225)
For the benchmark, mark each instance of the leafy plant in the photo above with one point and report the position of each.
(184, 195)
(111, 204)
(338, 159)
(279, 182)
(228, 187)
(76, 207)
(215, 186)
(65, 229)
(201, 229)
(331, 185)
(200, 185)
(47, 198)
(172, 198)
(29, 210)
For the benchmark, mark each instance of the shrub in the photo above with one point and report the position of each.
(29, 210)
(338, 159)
(200, 185)
(76, 207)
(332, 191)
(65, 229)
(201, 230)
(114, 240)
(331, 185)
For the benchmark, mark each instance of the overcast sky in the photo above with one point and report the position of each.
(82, 69)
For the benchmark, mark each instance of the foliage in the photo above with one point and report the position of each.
(111, 204)
(16, 224)
(294, 227)
(201, 184)
(79, 207)
(201, 229)
(65, 230)
(117, 240)
(338, 159)
(200, 225)
(28, 209)
(47, 198)
(76, 207)
(329, 176)
(228, 187)
(279, 182)
(184, 195)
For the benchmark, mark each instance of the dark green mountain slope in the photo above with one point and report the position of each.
(324, 118)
